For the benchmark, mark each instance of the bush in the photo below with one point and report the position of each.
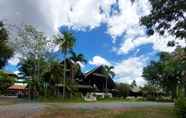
(180, 106)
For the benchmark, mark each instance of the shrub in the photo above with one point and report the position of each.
(180, 106)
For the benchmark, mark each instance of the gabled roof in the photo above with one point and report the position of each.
(92, 71)
(97, 77)
(18, 86)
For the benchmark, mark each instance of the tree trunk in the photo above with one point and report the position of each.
(173, 92)
(106, 90)
(64, 76)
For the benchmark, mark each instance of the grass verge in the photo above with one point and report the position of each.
(57, 112)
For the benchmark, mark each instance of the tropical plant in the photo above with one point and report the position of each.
(66, 42)
(76, 59)
(180, 106)
(28, 70)
(124, 89)
(168, 73)
(109, 74)
(5, 51)
(53, 78)
(5, 82)
(31, 44)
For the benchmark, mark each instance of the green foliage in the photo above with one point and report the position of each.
(108, 72)
(168, 72)
(5, 82)
(180, 106)
(151, 91)
(5, 51)
(75, 65)
(66, 42)
(123, 89)
(164, 14)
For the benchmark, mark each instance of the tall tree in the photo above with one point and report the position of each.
(77, 59)
(53, 77)
(27, 69)
(109, 74)
(31, 44)
(167, 16)
(5, 51)
(168, 73)
(66, 42)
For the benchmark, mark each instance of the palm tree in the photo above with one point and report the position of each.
(77, 59)
(108, 73)
(66, 42)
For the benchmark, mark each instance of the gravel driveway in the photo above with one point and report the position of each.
(27, 110)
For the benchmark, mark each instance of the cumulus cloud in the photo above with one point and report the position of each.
(130, 69)
(98, 60)
(16, 72)
(127, 20)
(51, 14)
(126, 24)
(123, 21)
(15, 59)
(159, 43)
(126, 70)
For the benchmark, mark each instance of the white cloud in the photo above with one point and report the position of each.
(128, 19)
(126, 24)
(16, 72)
(98, 60)
(130, 69)
(51, 14)
(159, 43)
(81, 64)
(15, 59)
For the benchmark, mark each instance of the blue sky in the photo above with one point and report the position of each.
(107, 31)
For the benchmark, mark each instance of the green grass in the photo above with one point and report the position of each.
(57, 112)
(148, 113)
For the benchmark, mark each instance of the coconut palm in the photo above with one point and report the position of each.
(77, 60)
(66, 42)
(77, 57)
(108, 73)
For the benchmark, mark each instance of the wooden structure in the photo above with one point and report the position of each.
(92, 81)
(97, 80)
(18, 89)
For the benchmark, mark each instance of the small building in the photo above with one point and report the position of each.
(97, 79)
(135, 91)
(19, 88)
(93, 81)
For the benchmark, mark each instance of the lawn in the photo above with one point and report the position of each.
(117, 113)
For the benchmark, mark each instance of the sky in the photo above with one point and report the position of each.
(108, 32)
